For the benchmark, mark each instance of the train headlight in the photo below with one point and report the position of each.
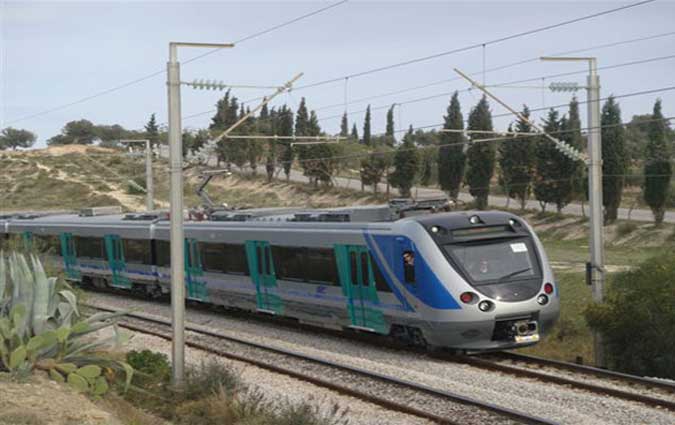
(542, 299)
(485, 306)
(474, 219)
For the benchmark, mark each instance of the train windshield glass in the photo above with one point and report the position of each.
(496, 261)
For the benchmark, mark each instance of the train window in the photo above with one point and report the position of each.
(353, 268)
(213, 257)
(137, 251)
(380, 282)
(268, 260)
(163, 253)
(365, 273)
(47, 244)
(235, 259)
(321, 267)
(89, 247)
(289, 263)
(409, 266)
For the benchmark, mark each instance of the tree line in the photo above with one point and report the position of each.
(523, 167)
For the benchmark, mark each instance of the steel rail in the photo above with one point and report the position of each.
(585, 369)
(456, 398)
(598, 389)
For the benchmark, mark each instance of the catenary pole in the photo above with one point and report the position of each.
(176, 211)
(596, 239)
(149, 184)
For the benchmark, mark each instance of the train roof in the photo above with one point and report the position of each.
(354, 215)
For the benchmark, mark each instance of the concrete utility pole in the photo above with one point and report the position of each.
(176, 210)
(597, 265)
(149, 185)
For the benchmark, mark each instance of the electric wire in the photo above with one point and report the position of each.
(430, 97)
(163, 71)
(474, 46)
(549, 76)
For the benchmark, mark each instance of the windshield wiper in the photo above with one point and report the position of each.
(517, 272)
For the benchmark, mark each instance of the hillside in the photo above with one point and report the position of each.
(75, 176)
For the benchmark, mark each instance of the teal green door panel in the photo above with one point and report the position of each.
(358, 286)
(69, 256)
(261, 267)
(115, 252)
(194, 273)
(27, 239)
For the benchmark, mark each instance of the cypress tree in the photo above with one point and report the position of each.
(152, 131)
(521, 160)
(480, 156)
(406, 161)
(391, 139)
(285, 128)
(546, 175)
(302, 119)
(270, 128)
(613, 158)
(366, 127)
(506, 165)
(452, 159)
(569, 169)
(344, 126)
(355, 134)
(658, 170)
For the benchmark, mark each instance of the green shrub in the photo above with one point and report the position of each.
(637, 320)
(207, 379)
(626, 228)
(155, 365)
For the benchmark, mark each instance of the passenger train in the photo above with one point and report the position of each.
(468, 281)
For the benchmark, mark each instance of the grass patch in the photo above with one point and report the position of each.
(212, 395)
(571, 336)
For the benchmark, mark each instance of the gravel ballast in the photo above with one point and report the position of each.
(557, 403)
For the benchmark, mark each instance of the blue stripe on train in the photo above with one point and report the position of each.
(429, 289)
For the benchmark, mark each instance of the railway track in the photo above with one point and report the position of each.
(533, 367)
(390, 392)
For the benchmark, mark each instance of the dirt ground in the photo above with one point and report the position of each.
(41, 401)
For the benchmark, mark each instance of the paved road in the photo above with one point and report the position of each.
(572, 209)
(500, 201)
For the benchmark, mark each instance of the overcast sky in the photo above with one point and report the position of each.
(55, 53)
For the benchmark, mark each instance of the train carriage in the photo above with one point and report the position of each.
(464, 280)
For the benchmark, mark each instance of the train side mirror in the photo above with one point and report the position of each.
(589, 273)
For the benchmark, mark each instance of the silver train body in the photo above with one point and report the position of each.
(468, 281)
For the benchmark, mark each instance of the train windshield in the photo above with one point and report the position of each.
(490, 262)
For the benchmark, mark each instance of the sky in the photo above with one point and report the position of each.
(56, 53)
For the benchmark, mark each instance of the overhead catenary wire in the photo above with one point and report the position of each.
(163, 71)
(477, 45)
(346, 77)
(380, 153)
(563, 74)
(449, 93)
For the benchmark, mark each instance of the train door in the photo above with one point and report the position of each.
(69, 256)
(115, 253)
(358, 285)
(27, 239)
(195, 285)
(261, 267)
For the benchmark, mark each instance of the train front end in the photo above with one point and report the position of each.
(495, 267)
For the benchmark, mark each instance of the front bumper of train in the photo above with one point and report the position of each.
(486, 334)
